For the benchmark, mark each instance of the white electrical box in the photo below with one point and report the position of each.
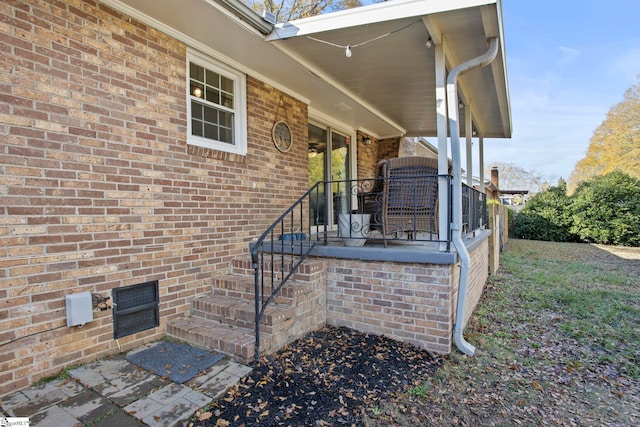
(79, 308)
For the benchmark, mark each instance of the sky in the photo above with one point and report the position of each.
(568, 63)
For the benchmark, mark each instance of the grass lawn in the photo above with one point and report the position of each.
(557, 336)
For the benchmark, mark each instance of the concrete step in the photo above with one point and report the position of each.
(236, 342)
(241, 312)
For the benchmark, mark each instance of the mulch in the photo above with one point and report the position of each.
(330, 377)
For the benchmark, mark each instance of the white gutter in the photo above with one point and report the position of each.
(245, 13)
(456, 226)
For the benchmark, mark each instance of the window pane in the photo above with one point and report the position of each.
(196, 128)
(227, 100)
(226, 85)
(213, 79)
(210, 131)
(226, 135)
(213, 95)
(196, 89)
(196, 110)
(211, 115)
(226, 119)
(196, 72)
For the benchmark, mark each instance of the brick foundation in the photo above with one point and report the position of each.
(413, 303)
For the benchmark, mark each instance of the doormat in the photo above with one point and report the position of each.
(176, 361)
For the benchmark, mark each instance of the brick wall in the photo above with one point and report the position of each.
(413, 303)
(367, 156)
(408, 302)
(478, 274)
(388, 148)
(98, 187)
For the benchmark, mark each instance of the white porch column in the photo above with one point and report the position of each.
(443, 152)
(468, 131)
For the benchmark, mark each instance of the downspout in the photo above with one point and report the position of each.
(456, 226)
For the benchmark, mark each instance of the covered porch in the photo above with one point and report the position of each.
(403, 69)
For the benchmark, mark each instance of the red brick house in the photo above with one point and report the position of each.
(140, 145)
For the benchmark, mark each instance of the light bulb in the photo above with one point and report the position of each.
(347, 52)
(197, 92)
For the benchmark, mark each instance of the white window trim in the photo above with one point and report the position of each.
(240, 105)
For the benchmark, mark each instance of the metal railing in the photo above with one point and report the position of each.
(314, 218)
(278, 253)
(474, 209)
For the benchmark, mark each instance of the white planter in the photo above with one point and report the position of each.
(354, 228)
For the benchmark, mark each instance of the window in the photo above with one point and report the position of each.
(135, 308)
(216, 104)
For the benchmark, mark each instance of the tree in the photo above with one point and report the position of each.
(606, 210)
(288, 10)
(615, 144)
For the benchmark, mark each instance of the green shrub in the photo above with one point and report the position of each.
(606, 210)
(546, 216)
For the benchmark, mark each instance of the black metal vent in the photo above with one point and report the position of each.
(135, 308)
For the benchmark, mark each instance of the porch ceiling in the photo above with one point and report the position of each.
(395, 75)
(386, 88)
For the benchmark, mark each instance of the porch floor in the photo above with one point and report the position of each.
(397, 250)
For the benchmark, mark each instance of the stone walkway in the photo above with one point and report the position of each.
(113, 392)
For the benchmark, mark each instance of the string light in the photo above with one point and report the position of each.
(348, 48)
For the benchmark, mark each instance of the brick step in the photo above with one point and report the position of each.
(242, 265)
(225, 320)
(243, 287)
(241, 312)
(236, 342)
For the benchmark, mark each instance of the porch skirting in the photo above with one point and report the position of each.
(409, 302)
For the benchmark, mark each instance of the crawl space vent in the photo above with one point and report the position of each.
(135, 308)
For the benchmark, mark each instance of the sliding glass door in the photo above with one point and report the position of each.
(329, 160)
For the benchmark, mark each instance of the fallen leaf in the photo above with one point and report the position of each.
(205, 416)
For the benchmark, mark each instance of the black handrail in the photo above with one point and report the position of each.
(287, 251)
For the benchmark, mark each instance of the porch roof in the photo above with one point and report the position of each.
(391, 71)
(386, 88)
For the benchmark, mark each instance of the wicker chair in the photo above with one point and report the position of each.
(408, 201)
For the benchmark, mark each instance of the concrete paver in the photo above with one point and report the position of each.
(174, 400)
(32, 400)
(119, 419)
(114, 392)
(88, 406)
(54, 416)
(219, 378)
